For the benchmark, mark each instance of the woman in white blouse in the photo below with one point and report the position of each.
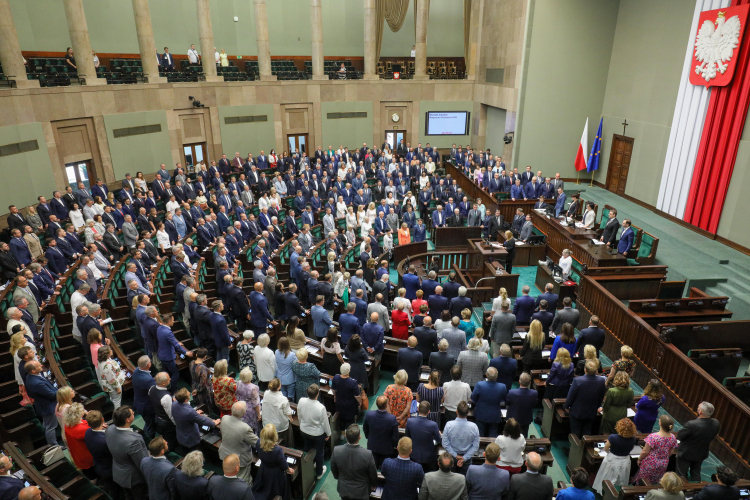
(162, 238)
(140, 182)
(351, 219)
(366, 226)
(76, 217)
(512, 445)
(340, 208)
(99, 206)
(263, 201)
(387, 154)
(423, 180)
(274, 199)
(361, 214)
(410, 197)
(566, 262)
(89, 232)
(389, 200)
(341, 172)
(390, 190)
(372, 213)
(265, 362)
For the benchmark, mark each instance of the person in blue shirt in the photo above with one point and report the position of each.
(321, 320)
(516, 191)
(461, 438)
(579, 491)
(566, 339)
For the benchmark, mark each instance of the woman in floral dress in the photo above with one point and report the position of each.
(654, 458)
(224, 388)
(399, 398)
(250, 394)
(111, 377)
(307, 374)
(626, 364)
(246, 353)
(203, 393)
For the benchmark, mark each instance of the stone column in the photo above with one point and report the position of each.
(206, 38)
(316, 18)
(264, 47)
(371, 63)
(145, 33)
(420, 59)
(10, 50)
(475, 41)
(79, 38)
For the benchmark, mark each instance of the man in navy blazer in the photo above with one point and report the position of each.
(44, 394)
(458, 304)
(410, 360)
(437, 304)
(412, 283)
(96, 443)
(167, 61)
(259, 315)
(506, 366)
(403, 477)
(560, 204)
(593, 335)
(158, 472)
(626, 238)
(383, 427)
(429, 286)
(10, 486)
(425, 435)
(545, 317)
(349, 324)
(549, 296)
(188, 421)
(521, 403)
(222, 339)
(142, 382)
(360, 310)
(524, 306)
(584, 399)
(438, 217)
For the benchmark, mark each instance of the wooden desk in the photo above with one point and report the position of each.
(544, 276)
(452, 237)
(706, 335)
(639, 492)
(630, 283)
(600, 255)
(690, 309)
(373, 371)
(583, 452)
(573, 232)
(526, 255)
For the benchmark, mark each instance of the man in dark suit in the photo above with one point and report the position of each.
(506, 366)
(458, 304)
(10, 486)
(403, 477)
(188, 421)
(584, 399)
(695, 438)
(44, 394)
(724, 490)
(531, 485)
(545, 317)
(593, 335)
(410, 360)
(158, 472)
(524, 306)
(437, 304)
(383, 427)
(167, 61)
(521, 403)
(96, 443)
(353, 467)
(609, 235)
(626, 238)
(128, 451)
(142, 382)
(424, 434)
(229, 486)
(427, 341)
(496, 225)
(549, 296)
(450, 287)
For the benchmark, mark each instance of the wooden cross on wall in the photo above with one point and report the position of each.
(624, 124)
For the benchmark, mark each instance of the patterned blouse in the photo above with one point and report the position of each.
(250, 394)
(111, 375)
(247, 359)
(201, 384)
(307, 375)
(224, 390)
(399, 398)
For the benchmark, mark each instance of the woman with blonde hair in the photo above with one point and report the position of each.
(89, 232)
(21, 348)
(617, 400)
(33, 219)
(271, 480)
(616, 465)
(307, 374)
(225, 388)
(372, 212)
(510, 246)
(404, 236)
(401, 322)
(75, 431)
(399, 398)
(365, 226)
(249, 393)
(467, 324)
(416, 304)
(501, 299)
(331, 262)
(560, 376)
(111, 376)
(361, 214)
(65, 395)
(533, 344)
(589, 354)
(626, 364)
(479, 334)
(351, 218)
(671, 488)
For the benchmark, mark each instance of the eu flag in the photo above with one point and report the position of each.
(593, 163)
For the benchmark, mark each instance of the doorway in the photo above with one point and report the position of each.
(393, 137)
(193, 154)
(619, 163)
(79, 171)
(297, 142)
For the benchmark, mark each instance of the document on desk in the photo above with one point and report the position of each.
(520, 243)
(597, 242)
(579, 224)
(522, 334)
(546, 353)
(496, 245)
(630, 413)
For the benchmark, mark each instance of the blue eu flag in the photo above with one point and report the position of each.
(593, 162)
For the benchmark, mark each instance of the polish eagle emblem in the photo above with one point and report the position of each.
(715, 44)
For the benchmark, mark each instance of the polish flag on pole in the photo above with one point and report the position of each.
(580, 163)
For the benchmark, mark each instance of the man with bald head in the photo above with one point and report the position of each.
(10, 486)
(30, 493)
(531, 484)
(383, 427)
(229, 486)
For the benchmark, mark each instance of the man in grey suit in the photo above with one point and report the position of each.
(382, 311)
(258, 275)
(475, 216)
(329, 223)
(229, 486)
(158, 471)
(565, 315)
(238, 438)
(128, 451)
(527, 229)
(444, 484)
(129, 232)
(531, 485)
(354, 468)
(502, 329)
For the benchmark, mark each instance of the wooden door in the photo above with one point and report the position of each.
(619, 163)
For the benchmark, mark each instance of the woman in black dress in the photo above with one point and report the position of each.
(279, 303)
(271, 479)
(332, 358)
(510, 246)
(357, 356)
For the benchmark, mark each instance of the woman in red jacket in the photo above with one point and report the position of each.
(75, 430)
(401, 322)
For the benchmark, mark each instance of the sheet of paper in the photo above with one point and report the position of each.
(520, 243)
(106, 321)
(503, 412)
(630, 413)
(546, 353)
(597, 242)
(522, 334)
